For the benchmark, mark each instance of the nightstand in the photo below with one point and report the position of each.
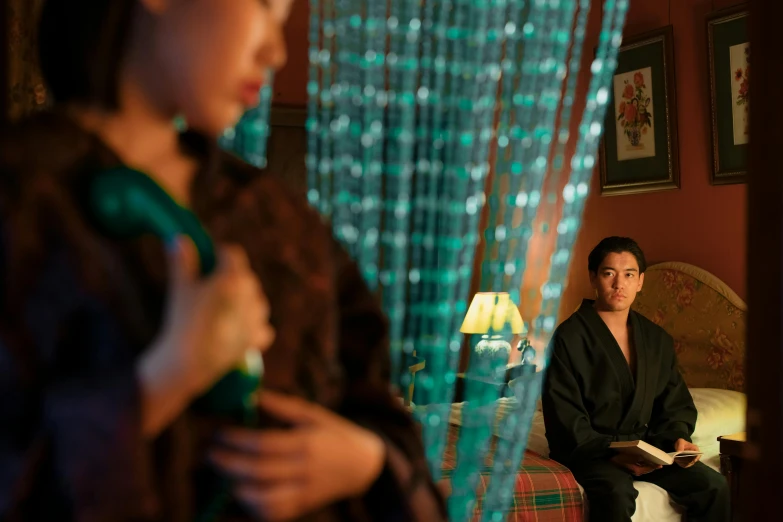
(732, 455)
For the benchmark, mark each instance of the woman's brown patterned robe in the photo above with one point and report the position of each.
(77, 309)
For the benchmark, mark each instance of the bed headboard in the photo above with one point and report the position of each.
(705, 317)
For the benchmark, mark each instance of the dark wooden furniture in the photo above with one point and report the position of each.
(733, 451)
(762, 484)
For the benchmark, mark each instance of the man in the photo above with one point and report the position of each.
(613, 376)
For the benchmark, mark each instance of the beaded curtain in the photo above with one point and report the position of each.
(422, 115)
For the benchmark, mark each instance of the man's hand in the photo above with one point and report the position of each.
(637, 466)
(684, 445)
(285, 474)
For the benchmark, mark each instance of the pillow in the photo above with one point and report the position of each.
(504, 406)
(720, 412)
(537, 442)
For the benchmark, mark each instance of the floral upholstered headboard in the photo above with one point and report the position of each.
(705, 317)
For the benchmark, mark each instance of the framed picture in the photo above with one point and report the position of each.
(639, 150)
(729, 58)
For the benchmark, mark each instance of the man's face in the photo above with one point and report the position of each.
(617, 282)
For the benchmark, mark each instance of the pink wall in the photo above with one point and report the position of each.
(699, 224)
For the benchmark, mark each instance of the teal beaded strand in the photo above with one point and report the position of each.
(509, 451)
(583, 161)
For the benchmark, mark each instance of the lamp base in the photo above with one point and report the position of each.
(491, 346)
(490, 357)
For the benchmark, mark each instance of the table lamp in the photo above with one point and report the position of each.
(493, 314)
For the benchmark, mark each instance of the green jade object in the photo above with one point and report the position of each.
(128, 203)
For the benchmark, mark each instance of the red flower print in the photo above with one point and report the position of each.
(633, 115)
(722, 348)
(685, 297)
(737, 379)
(722, 340)
(738, 75)
(658, 317)
(638, 79)
(678, 347)
(669, 279)
(717, 357)
(630, 112)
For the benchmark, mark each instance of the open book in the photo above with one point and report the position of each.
(651, 453)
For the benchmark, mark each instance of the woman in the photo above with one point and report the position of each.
(103, 348)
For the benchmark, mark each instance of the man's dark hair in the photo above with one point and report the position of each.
(81, 47)
(615, 245)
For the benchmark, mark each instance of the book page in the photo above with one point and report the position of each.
(683, 454)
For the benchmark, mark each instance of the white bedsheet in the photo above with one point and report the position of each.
(721, 412)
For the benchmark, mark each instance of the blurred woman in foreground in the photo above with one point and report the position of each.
(105, 343)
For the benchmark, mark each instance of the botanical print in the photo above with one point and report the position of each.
(739, 60)
(634, 114)
(708, 330)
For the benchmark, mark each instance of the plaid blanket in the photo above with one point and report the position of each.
(544, 490)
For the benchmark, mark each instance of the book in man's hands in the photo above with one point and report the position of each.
(650, 453)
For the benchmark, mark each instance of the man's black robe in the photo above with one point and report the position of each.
(591, 398)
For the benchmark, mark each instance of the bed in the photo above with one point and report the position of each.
(707, 320)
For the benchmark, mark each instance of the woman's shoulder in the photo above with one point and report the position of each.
(36, 149)
(40, 139)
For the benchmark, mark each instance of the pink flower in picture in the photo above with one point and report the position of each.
(630, 112)
(743, 76)
(638, 80)
(633, 111)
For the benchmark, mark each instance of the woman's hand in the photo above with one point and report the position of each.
(209, 325)
(684, 445)
(284, 474)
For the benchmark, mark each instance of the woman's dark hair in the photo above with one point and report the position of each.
(81, 46)
(615, 245)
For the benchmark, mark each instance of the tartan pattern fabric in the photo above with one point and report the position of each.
(544, 490)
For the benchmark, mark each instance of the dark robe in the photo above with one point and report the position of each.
(592, 398)
(78, 308)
